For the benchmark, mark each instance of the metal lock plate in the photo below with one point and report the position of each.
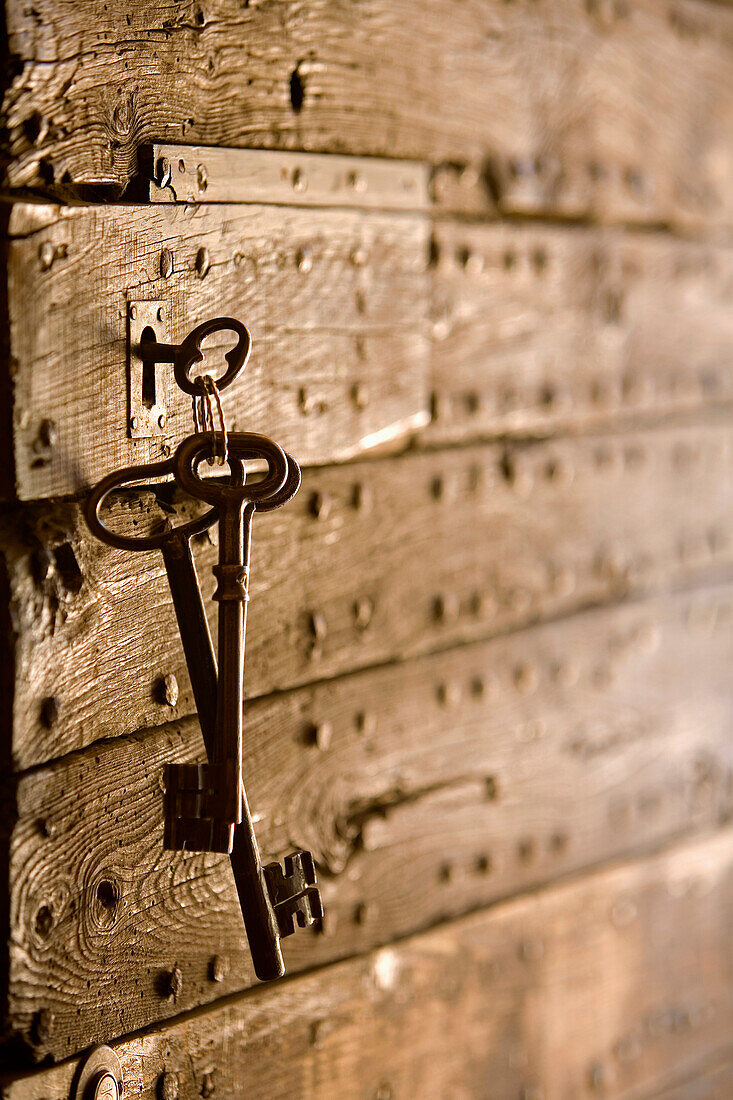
(99, 1077)
(148, 383)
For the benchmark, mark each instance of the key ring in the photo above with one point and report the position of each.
(242, 446)
(130, 474)
(219, 439)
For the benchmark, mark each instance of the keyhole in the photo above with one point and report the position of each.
(148, 394)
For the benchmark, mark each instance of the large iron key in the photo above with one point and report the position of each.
(269, 898)
(292, 894)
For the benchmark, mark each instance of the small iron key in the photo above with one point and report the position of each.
(200, 832)
(188, 353)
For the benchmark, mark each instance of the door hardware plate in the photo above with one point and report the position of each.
(148, 398)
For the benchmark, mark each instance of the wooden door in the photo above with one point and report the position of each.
(484, 252)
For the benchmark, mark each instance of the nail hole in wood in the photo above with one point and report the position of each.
(445, 872)
(67, 567)
(49, 712)
(526, 850)
(297, 90)
(202, 262)
(483, 865)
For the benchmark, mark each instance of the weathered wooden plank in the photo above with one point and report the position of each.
(537, 329)
(372, 562)
(711, 1081)
(335, 300)
(424, 789)
(615, 111)
(534, 329)
(607, 985)
(191, 173)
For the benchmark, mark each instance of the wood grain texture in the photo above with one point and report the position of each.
(609, 110)
(372, 562)
(424, 790)
(538, 329)
(335, 301)
(609, 985)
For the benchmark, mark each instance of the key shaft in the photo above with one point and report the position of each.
(259, 918)
(198, 649)
(236, 511)
(232, 595)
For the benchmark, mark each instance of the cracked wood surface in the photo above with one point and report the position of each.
(424, 790)
(335, 301)
(616, 983)
(364, 567)
(545, 329)
(614, 111)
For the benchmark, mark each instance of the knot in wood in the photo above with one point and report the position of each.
(233, 582)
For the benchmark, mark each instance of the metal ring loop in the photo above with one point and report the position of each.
(242, 446)
(218, 436)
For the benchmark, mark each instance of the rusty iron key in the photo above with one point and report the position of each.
(292, 893)
(235, 504)
(189, 353)
(204, 800)
(174, 543)
(271, 899)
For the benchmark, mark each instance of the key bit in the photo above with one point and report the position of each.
(193, 821)
(294, 892)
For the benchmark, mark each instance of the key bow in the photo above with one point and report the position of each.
(185, 355)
